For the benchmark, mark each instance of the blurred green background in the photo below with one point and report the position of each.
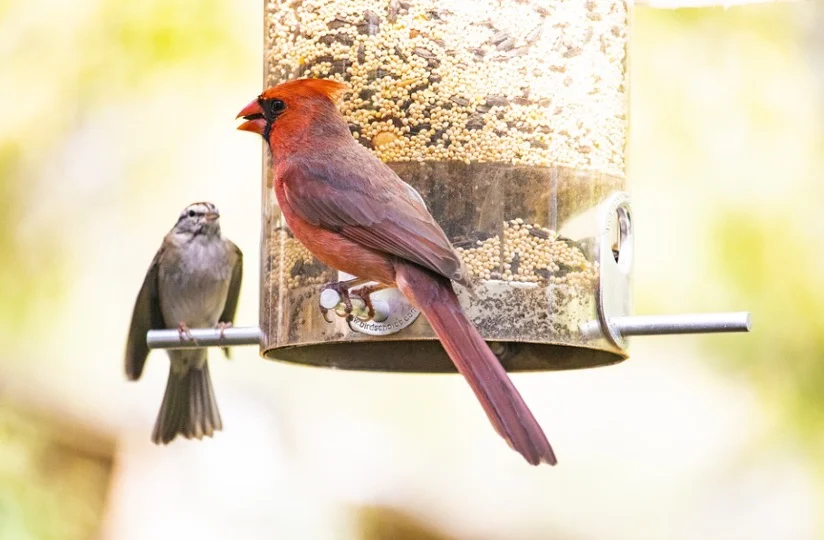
(118, 114)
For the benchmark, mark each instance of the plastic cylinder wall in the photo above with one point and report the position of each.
(510, 119)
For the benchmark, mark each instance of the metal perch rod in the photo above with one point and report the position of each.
(682, 323)
(642, 325)
(204, 337)
(685, 323)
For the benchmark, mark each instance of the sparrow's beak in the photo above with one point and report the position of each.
(212, 216)
(253, 115)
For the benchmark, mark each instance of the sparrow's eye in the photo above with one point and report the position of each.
(191, 213)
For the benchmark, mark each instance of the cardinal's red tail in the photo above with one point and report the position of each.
(507, 411)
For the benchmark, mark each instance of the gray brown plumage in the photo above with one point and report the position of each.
(193, 282)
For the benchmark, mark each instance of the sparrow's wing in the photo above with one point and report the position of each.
(146, 316)
(233, 296)
(354, 193)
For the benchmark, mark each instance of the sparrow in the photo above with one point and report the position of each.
(192, 282)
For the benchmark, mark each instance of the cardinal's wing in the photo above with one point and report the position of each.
(352, 192)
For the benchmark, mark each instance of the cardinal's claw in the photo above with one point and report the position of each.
(347, 302)
(365, 294)
(342, 288)
(184, 333)
(367, 302)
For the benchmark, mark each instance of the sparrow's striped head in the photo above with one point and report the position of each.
(199, 218)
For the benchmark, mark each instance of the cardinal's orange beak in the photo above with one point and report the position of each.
(253, 115)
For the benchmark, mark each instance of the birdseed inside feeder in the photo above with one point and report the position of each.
(510, 120)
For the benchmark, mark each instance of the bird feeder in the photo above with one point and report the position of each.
(510, 119)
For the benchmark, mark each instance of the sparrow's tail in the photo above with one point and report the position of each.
(509, 415)
(189, 407)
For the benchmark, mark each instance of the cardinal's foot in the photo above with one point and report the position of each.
(364, 293)
(342, 290)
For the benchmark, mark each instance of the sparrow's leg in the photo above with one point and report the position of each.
(223, 326)
(364, 294)
(342, 288)
(184, 333)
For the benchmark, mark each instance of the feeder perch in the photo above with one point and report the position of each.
(510, 120)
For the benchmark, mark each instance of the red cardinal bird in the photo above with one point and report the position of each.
(356, 215)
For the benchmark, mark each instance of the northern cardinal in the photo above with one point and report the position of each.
(357, 216)
(193, 281)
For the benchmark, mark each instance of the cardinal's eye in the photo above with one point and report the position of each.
(275, 107)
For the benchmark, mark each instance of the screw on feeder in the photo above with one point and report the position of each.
(330, 299)
(382, 310)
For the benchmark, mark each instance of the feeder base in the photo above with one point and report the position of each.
(428, 356)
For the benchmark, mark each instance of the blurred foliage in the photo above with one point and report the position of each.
(64, 63)
(772, 266)
(385, 523)
(143, 41)
(49, 488)
(746, 155)
(56, 75)
(768, 255)
(33, 263)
